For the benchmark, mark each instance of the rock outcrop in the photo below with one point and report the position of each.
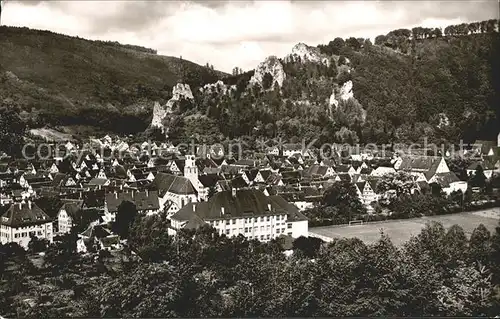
(179, 91)
(443, 120)
(271, 65)
(345, 93)
(218, 87)
(308, 53)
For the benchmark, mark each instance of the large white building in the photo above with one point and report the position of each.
(23, 221)
(246, 212)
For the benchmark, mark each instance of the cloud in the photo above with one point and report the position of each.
(236, 33)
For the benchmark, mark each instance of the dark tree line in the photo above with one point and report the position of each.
(439, 272)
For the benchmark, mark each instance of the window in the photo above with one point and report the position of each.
(261, 237)
(289, 234)
(268, 218)
(261, 228)
(282, 230)
(246, 229)
(227, 231)
(267, 228)
(227, 222)
(277, 231)
(289, 225)
(234, 221)
(268, 236)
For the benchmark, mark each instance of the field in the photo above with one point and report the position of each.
(401, 230)
(51, 135)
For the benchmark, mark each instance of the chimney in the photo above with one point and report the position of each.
(29, 204)
(20, 206)
(194, 207)
(269, 207)
(116, 195)
(222, 210)
(147, 193)
(233, 191)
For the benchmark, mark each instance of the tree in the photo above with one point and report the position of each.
(308, 246)
(478, 179)
(83, 218)
(480, 246)
(37, 245)
(125, 216)
(336, 45)
(343, 197)
(401, 182)
(11, 131)
(267, 81)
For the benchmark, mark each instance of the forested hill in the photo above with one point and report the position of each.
(60, 79)
(410, 84)
(443, 85)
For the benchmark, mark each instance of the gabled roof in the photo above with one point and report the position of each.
(179, 185)
(96, 231)
(147, 200)
(71, 206)
(248, 202)
(445, 179)
(209, 180)
(21, 215)
(420, 163)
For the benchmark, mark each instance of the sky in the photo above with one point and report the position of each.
(236, 33)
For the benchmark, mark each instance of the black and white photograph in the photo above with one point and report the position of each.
(249, 159)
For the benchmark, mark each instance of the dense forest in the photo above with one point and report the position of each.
(202, 274)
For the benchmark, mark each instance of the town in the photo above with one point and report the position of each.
(260, 195)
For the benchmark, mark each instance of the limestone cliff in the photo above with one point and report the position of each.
(271, 65)
(179, 91)
(217, 87)
(345, 93)
(308, 53)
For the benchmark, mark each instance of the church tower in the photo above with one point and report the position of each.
(191, 171)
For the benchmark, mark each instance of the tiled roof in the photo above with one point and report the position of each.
(147, 200)
(174, 184)
(20, 215)
(247, 202)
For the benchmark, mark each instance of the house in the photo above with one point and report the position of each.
(293, 148)
(66, 215)
(208, 181)
(487, 165)
(245, 212)
(367, 192)
(146, 202)
(382, 171)
(23, 221)
(177, 189)
(449, 182)
(99, 237)
(424, 167)
(320, 171)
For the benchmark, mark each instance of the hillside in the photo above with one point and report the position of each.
(67, 80)
(411, 84)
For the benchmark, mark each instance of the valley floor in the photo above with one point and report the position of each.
(401, 230)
